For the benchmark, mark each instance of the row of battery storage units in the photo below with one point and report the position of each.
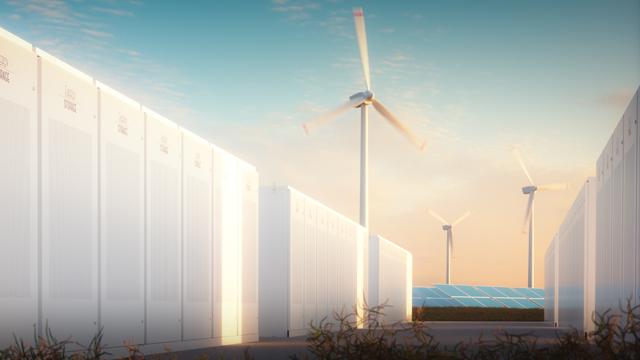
(390, 279)
(315, 263)
(113, 217)
(617, 233)
(569, 265)
(578, 281)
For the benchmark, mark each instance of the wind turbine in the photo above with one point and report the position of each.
(448, 227)
(530, 190)
(362, 100)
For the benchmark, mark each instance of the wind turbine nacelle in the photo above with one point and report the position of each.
(529, 189)
(446, 227)
(366, 95)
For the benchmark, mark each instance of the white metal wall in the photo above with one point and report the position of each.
(107, 215)
(575, 272)
(312, 262)
(249, 250)
(235, 219)
(390, 279)
(630, 214)
(122, 139)
(550, 283)
(617, 216)
(18, 189)
(69, 141)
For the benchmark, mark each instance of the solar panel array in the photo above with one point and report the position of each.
(478, 296)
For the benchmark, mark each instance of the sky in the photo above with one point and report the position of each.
(474, 78)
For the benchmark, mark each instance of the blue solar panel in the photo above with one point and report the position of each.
(539, 293)
(528, 304)
(471, 291)
(440, 293)
(477, 296)
(491, 291)
(510, 303)
(469, 302)
(511, 292)
(450, 290)
(527, 292)
(433, 302)
(538, 302)
(489, 303)
(435, 293)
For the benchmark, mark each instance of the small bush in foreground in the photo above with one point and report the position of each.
(615, 337)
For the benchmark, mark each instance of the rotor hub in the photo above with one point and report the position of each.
(367, 95)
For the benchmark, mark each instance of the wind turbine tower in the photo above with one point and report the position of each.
(530, 190)
(448, 227)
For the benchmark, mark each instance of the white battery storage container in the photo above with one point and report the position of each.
(576, 241)
(69, 195)
(122, 218)
(390, 279)
(235, 194)
(197, 236)
(299, 239)
(18, 189)
(164, 240)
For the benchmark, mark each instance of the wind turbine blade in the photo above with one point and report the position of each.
(527, 214)
(399, 125)
(437, 217)
(461, 218)
(516, 153)
(450, 236)
(331, 115)
(554, 187)
(358, 17)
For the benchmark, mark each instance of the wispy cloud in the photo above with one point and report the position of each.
(113, 11)
(97, 33)
(616, 99)
(83, 38)
(295, 10)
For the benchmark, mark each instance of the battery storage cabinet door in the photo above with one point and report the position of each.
(249, 252)
(226, 220)
(122, 218)
(197, 237)
(18, 190)
(69, 201)
(163, 243)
